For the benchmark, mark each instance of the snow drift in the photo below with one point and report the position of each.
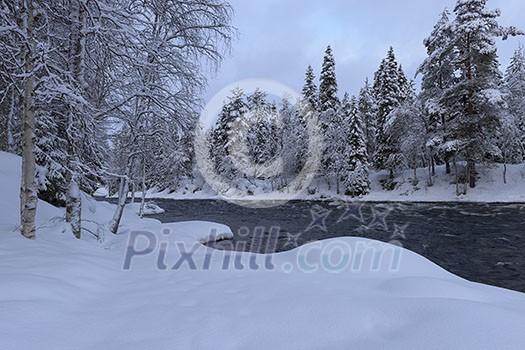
(61, 293)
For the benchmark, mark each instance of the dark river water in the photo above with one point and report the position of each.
(480, 242)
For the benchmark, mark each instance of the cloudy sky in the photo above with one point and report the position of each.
(279, 38)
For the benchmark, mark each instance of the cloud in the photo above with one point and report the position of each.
(279, 39)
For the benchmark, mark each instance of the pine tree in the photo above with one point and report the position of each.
(356, 180)
(476, 99)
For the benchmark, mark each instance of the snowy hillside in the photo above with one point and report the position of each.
(61, 293)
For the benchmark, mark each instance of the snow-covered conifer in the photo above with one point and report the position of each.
(356, 178)
(390, 90)
(476, 98)
(329, 105)
(515, 93)
(367, 110)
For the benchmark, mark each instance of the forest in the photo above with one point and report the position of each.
(105, 93)
(465, 112)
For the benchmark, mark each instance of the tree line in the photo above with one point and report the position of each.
(96, 92)
(466, 112)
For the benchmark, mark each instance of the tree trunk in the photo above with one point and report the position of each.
(10, 123)
(430, 170)
(76, 67)
(430, 181)
(28, 188)
(456, 174)
(133, 192)
(447, 166)
(143, 195)
(471, 165)
(122, 196)
(73, 204)
(505, 173)
(466, 177)
(471, 172)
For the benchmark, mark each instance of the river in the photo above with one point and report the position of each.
(480, 242)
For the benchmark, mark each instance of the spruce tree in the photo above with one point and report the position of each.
(335, 143)
(260, 137)
(390, 89)
(515, 92)
(367, 110)
(293, 140)
(328, 83)
(329, 105)
(437, 73)
(310, 92)
(231, 130)
(356, 179)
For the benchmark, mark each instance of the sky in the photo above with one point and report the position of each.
(278, 39)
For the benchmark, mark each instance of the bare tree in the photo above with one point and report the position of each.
(166, 53)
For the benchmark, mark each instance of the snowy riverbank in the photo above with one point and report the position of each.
(490, 188)
(61, 293)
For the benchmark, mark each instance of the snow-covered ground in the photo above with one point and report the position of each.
(490, 188)
(348, 293)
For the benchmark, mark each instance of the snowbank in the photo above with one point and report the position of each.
(61, 293)
(490, 188)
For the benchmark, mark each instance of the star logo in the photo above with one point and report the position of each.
(319, 216)
(292, 240)
(379, 218)
(363, 229)
(399, 232)
(353, 210)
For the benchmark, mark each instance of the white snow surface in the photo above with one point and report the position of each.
(490, 188)
(61, 293)
(152, 208)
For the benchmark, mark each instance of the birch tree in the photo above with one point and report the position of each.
(165, 73)
(21, 61)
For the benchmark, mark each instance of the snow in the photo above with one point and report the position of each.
(152, 208)
(490, 188)
(61, 293)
